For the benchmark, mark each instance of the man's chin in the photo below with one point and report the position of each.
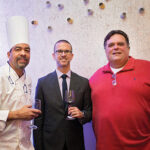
(22, 66)
(63, 65)
(116, 58)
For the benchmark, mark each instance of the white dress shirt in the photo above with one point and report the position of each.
(59, 74)
(15, 92)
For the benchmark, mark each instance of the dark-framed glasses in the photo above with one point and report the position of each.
(60, 52)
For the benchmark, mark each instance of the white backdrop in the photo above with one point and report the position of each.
(86, 34)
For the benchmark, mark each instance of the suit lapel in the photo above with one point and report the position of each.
(74, 85)
(72, 82)
(56, 87)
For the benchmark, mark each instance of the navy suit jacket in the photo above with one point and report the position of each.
(53, 129)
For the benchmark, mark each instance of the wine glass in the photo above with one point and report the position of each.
(69, 99)
(36, 105)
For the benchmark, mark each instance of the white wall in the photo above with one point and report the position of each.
(86, 34)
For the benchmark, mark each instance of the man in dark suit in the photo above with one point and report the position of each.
(54, 131)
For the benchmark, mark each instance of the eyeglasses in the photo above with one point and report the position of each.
(60, 52)
(114, 82)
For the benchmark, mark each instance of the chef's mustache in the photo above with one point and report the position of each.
(22, 57)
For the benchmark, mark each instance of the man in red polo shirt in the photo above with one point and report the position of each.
(121, 98)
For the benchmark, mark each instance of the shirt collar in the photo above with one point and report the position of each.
(59, 74)
(14, 76)
(129, 66)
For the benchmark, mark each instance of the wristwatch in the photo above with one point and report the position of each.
(83, 114)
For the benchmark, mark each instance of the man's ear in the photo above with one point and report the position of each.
(72, 56)
(129, 48)
(53, 55)
(8, 54)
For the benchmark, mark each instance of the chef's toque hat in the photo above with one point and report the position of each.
(17, 30)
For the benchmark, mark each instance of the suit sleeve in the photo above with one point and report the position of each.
(38, 134)
(87, 105)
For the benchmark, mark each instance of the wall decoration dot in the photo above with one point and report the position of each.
(123, 15)
(101, 5)
(48, 3)
(60, 6)
(90, 12)
(141, 10)
(34, 22)
(86, 2)
(49, 28)
(70, 21)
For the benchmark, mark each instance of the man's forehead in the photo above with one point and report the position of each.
(62, 45)
(22, 45)
(116, 38)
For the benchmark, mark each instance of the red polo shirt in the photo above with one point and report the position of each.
(121, 112)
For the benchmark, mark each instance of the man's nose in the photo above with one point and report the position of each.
(63, 53)
(23, 52)
(115, 46)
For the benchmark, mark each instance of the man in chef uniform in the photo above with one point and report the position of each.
(15, 90)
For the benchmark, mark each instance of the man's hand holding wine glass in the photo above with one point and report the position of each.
(25, 113)
(75, 112)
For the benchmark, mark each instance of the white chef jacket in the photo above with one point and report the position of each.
(15, 92)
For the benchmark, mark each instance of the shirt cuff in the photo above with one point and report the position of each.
(81, 119)
(4, 115)
(3, 119)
